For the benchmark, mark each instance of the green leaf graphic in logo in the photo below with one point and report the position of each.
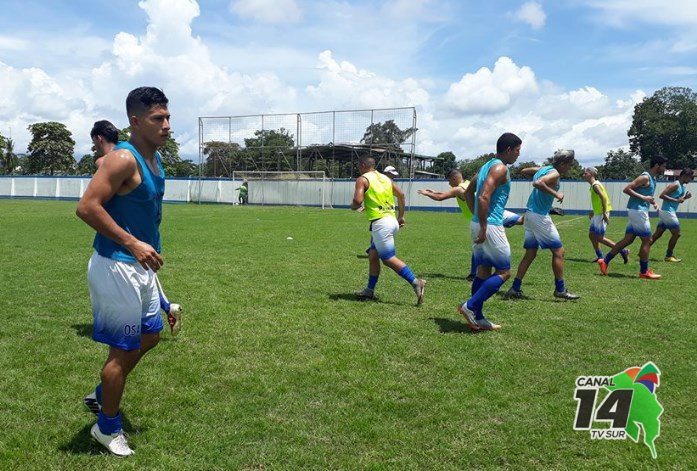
(645, 411)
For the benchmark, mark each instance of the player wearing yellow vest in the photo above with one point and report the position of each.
(376, 192)
(601, 214)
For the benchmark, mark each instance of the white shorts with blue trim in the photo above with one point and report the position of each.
(125, 302)
(540, 232)
(668, 220)
(510, 218)
(495, 251)
(382, 232)
(598, 225)
(638, 223)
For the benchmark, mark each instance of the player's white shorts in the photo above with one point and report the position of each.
(638, 223)
(598, 225)
(510, 218)
(540, 232)
(125, 302)
(382, 234)
(494, 251)
(668, 220)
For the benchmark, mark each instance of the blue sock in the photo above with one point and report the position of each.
(109, 425)
(98, 393)
(559, 285)
(479, 315)
(669, 253)
(372, 281)
(476, 284)
(473, 268)
(609, 257)
(517, 283)
(599, 253)
(643, 266)
(407, 274)
(164, 305)
(487, 290)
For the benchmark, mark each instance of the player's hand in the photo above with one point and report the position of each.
(401, 222)
(560, 196)
(361, 209)
(146, 255)
(481, 237)
(424, 192)
(650, 200)
(687, 196)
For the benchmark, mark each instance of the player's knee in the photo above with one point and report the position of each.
(504, 274)
(558, 253)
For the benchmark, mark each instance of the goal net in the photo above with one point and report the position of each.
(294, 188)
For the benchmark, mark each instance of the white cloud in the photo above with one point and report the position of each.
(624, 12)
(491, 91)
(532, 14)
(267, 11)
(13, 44)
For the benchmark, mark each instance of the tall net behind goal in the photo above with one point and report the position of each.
(299, 188)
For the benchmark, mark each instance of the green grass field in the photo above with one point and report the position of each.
(279, 367)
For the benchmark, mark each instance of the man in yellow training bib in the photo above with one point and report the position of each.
(377, 192)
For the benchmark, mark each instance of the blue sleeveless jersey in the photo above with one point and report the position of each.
(636, 203)
(139, 212)
(671, 206)
(540, 202)
(498, 199)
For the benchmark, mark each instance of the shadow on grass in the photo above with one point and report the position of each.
(442, 276)
(620, 275)
(83, 330)
(353, 297)
(82, 442)
(362, 256)
(449, 326)
(579, 260)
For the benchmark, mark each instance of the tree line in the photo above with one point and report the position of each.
(665, 124)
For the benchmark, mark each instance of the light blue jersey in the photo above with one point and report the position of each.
(539, 201)
(499, 198)
(672, 206)
(636, 203)
(139, 212)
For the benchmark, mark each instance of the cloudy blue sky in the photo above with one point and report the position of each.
(563, 73)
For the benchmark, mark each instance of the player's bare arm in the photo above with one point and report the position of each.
(547, 183)
(118, 174)
(669, 189)
(497, 177)
(639, 182)
(470, 192)
(529, 172)
(443, 195)
(359, 192)
(401, 201)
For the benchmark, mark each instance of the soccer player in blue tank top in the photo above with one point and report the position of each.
(540, 231)
(123, 203)
(672, 195)
(488, 195)
(640, 192)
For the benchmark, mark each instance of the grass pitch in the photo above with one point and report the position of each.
(279, 367)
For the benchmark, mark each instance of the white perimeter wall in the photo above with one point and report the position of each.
(337, 193)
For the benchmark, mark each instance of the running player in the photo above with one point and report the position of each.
(489, 244)
(540, 231)
(601, 214)
(640, 192)
(123, 203)
(377, 192)
(672, 195)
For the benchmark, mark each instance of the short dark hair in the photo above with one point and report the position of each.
(454, 171)
(105, 129)
(367, 159)
(687, 172)
(142, 99)
(657, 160)
(507, 140)
(563, 156)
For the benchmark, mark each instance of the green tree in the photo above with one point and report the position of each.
(51, 148)
(470, 167)
(666, 123)
(86, 165)
(575, 173)
(516, 170)
(271, 150)
(173, 164)
(223, 158)
(444, 166)
(388, 134)
(10, 158)
(3, 163)
(620, 165)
